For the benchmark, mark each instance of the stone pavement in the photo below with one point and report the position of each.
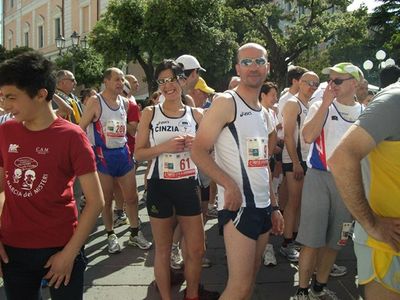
(129, 274)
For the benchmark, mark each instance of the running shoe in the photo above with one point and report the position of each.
(300, 297)
(113, 245)
(338, 271)
(269, 256)
(325, 294)
(139, 241)
(176, 262)
(212, 212)
(205, 262)
(290, 252)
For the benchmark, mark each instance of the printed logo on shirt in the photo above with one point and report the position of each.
(245, 113)
(168, 128)
(13, 148)
(42, 150)
(25, 181)
(334, 118)
(184, 125)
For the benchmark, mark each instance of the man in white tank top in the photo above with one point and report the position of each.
(324, 220)
(235, 124)
(294, 157)
(106, 113)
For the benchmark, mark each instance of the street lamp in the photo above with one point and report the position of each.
(75, 44)
(60, 43)
(380, 55)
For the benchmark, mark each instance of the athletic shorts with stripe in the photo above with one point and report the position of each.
(252, 222)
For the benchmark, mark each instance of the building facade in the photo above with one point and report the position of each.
(37, 24)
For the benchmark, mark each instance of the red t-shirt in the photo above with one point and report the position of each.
(39, 167)
(133, 116)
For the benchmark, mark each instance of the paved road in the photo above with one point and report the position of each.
(129, 275)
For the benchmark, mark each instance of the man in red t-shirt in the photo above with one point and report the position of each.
(40, 155)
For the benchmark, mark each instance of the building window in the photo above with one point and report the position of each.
(26, 39)
(85, 19)
(57, 27)
(10, 40)
(40, 37)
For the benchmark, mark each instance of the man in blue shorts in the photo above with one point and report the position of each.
(105, 119)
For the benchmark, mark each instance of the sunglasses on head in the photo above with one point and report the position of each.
(338, 81)
(166, 80)
(247, 62)
(312, 83)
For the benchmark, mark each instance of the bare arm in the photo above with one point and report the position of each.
(143, 151)
(91, 112)
(61, 263)
(131, 128)
(64, 110)
(345, 164)
(220, 113)
(312, 128)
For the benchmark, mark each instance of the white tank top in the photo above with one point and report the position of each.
(242, 152)
(334, 128)
(109, 131)
(301, 146)
(171, 166)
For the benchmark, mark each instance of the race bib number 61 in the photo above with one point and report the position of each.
(178, 166)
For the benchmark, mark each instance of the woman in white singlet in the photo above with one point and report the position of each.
(165, 135)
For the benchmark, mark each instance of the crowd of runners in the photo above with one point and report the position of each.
(317, 164)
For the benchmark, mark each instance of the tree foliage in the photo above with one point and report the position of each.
(385, 23)
(148, 31)
(89, 65)
(287, 32)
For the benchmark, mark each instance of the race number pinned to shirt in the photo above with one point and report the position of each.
(115, 131)
(177, 166)
(257, 152)
(344, 235)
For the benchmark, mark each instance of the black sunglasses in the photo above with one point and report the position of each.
(338, 81)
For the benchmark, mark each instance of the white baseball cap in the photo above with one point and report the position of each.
(189, 62)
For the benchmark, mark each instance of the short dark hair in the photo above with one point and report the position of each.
(169, 64)
(295, 72)
(30, 72)
(266, 87)
(389, 75)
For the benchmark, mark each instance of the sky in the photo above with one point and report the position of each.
(371, 4)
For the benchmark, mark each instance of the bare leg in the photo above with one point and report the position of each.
(260, 247)
(162, 230)
(129, 191)
(374, 290)
(107, 185)
(292, 208)
(239, 249)
(307, 261)
(118, 197)
(326, 259)
(193, 233)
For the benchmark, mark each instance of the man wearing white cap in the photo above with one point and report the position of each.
(325, 221)
(191, 67)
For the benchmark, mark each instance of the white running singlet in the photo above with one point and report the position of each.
(301, 145)
(242, 152)
(171, 166)
(338, 120)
